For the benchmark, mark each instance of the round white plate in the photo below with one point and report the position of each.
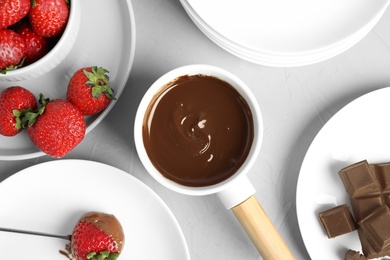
(284, 26)
(361, 130)
(50, 197)
(106, 39)
(285, 33)
(286, 60)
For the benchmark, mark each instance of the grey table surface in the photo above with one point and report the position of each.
(295, 104)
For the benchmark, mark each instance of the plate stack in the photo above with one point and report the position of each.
(285, 33)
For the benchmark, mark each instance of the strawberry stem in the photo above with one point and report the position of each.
(20, 116)
(99, 81)
(12, 67)
(29, 117)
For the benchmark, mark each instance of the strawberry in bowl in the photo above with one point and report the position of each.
(12, 50)
(53, 24)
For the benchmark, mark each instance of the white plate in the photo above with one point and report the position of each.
(358, 131)
(285, 26)
(285, 33)
(286, 60)
(106, 39)
(50, 197)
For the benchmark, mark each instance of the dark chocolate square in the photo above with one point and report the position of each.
(367, 248)
(337, 221)
(359, 180)
(354, 255)
(364, 206)
(376, 227)
(382, 172)
(386, 199)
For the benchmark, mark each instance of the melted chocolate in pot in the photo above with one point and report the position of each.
(198, 130)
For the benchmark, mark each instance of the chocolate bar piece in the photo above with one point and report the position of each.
(359, 180)
(382, 172)
(368, 186)
(354, 255)
(367, 248)
(364, 206)
(377, 229)
(337, 221)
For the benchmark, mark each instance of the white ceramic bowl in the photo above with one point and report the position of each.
(56, 55)
(244, 92)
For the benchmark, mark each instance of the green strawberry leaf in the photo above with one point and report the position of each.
(112, 256)
(42, 100)
(20, 117)
(12, 67)
(28, 117)
(99, 81)
(17, 114)
(103, 255)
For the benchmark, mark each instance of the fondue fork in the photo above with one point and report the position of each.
(11, 230)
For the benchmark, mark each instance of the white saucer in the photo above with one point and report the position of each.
(50, 198)
(106, 39)
(359, 131)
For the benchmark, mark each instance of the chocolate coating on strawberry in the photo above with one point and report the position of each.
(97, 235)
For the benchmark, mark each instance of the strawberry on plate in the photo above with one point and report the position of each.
(36, 46)
(14, 103)
(12, 11)
(89, 90)
(97, 236)
(57, 128)
(12, 50)
(48, 18)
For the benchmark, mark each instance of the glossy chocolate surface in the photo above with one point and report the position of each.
(109, 224)
(198, 130)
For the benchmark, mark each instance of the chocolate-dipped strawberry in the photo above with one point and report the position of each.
(97, 236)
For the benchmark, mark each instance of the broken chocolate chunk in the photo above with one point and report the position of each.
(337, 221)
(377, 229)
(368, 249)
(359, 180)
(354, 255)
(382, 172)
(364, 206)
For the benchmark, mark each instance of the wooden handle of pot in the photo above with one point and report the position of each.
(261, 231)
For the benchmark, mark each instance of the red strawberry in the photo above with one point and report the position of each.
(97, 236)
(48, 18)
(14, 102)
(89, 90)
(12, 50)
(36, 46)
(57, 128)
(12, 11)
